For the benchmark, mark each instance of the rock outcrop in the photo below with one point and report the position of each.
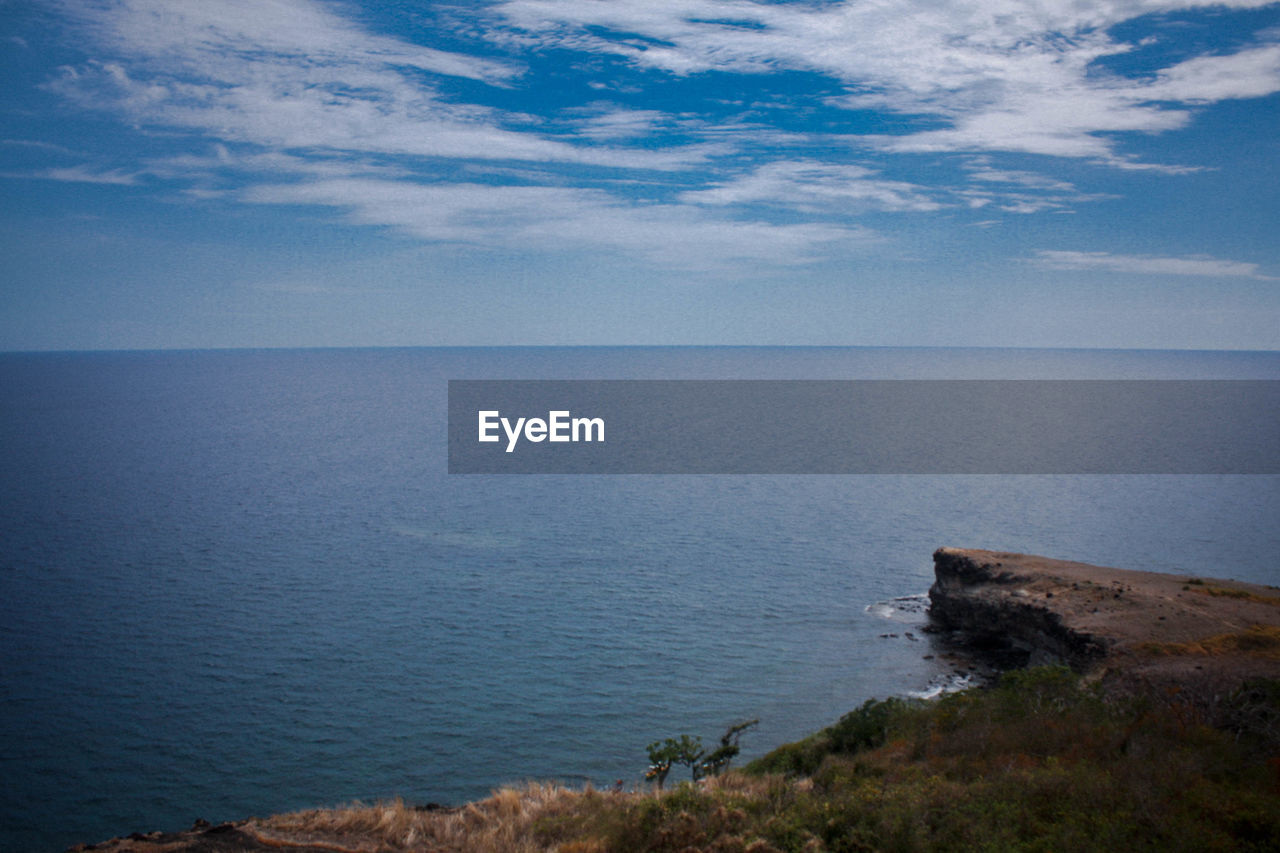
(1157, 628)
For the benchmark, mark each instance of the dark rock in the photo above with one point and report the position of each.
(221, 829)
(998, 614)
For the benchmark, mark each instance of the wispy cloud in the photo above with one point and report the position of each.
(609, 122)
(1004, 76)
(232, 39)
(75, 175)
(1148, 264)
(295, 74)
(81, 174)
(531, 217)
(824, 188)
(298, 102)
(816, 187)
(289, 74)
(36, 144)
(981, 169)
(1020, 191)
(1250, 73)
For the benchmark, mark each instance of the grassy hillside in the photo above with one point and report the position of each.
(1039, 762)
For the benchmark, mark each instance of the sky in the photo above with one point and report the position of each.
(293, 173)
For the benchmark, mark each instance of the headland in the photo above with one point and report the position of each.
(1132, 630)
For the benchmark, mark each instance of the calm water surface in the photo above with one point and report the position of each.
(241, 582)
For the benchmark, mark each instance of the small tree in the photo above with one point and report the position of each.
(718, 761)
(688, 751)
(662, 754)
(660, 757)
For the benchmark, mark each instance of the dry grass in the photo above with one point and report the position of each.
(1242, 594)
(502, 823)
(533, 818)
(1259, 641)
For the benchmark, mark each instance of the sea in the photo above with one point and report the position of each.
(243, 582)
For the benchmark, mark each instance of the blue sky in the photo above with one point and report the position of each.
(209, 173)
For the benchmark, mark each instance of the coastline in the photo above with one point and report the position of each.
(1175, 638)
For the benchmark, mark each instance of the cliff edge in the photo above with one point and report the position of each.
(1132, 628)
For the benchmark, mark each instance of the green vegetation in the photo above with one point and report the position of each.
(689, 752)
(1039, 762)
(865, 728)
(720, 758)
(662, 754)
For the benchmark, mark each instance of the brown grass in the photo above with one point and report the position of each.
(502, 823)
(1242, 594)
(1259, 641)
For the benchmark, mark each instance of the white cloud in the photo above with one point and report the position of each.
(1250, 73)
(1065, 123)
(289, 74)
(85, 175)
(76, 175)
(816, 187)
(980, 169)
(619, 123)
(1020, 191)
(227, 39)
(36, 144)
(1005, 75)
(1147, 264)
(825, 188)
(317, 109)
(556, 218)
(310, 109)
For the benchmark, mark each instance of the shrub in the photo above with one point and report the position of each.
(865, 727)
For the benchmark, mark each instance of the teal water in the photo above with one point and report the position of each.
(241, 582)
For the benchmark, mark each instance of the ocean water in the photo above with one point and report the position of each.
(242, 582)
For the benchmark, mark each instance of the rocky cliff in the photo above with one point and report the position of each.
(1142, 625)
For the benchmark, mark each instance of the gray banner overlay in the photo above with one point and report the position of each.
(864, 427)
